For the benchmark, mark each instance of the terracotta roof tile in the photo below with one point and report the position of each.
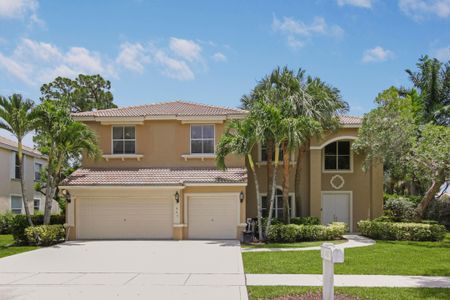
(177, 108)
(154, 176)
(351, 120)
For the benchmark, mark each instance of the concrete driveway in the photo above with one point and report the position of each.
(126, 270)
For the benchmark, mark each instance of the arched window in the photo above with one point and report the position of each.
(337, 156)
(277, 206)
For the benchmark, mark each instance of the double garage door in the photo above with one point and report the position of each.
(208, 217)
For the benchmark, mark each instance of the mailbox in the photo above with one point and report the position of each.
(330, 255)
(329, 252)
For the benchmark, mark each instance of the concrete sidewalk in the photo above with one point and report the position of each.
(348, 280)
(353, 241)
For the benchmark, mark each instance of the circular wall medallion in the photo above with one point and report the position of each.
(337, 182)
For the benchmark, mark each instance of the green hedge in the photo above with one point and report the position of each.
(48, 234)
(305, 221)
(20, 223)
(402, 231)
(6, 220)
(298, 233)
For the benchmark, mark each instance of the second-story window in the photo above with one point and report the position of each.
(124, 140)
(17, 167)
(37, 171)
(264, 153)
(202, 139)
(337, 156)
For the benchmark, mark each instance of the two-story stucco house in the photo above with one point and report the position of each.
(157, 178)
(10, 190)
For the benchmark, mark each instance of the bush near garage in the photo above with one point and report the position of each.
(400, 209)
(20, 223)
(6, 220)
(402, 231)
(45, 235)
(299, 233)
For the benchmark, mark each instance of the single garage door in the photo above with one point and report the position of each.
(124, 218)
(213, 217)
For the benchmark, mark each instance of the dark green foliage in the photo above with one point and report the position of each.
(305, 221)
(400, 209)
(402, 231)
(19, 224)
(6, 220)
(439, 210)
(48, 234)
(298, 233)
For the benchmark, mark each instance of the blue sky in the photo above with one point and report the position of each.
(215, 51)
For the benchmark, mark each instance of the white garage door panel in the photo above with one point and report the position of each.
(125, 218)
(214, 217)
(336, 208)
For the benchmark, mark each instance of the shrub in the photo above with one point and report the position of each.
(401, 209)
(20, 223)
(439, 210)
(48, 234)
(402, 231)
(305, 221)
(6, 220)
(384, 218)
(298, 233)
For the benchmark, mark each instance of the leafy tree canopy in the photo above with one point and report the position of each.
(84, 93)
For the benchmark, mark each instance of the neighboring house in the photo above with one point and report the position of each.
(157, 178)
(10, 190)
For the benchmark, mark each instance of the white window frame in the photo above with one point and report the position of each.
(36, 169)
(337, 157)
(34, 207)
(123, 140)
(292, 204)
(202, 139)
(21, 203)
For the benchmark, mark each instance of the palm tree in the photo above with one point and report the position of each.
(240, 138)
(321, 105)
(64, 141)
(16, 116)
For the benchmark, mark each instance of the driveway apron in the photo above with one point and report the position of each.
(126, 270)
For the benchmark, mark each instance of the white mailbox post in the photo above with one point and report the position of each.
(330, 255)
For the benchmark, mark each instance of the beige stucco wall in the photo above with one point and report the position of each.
(9, 186)
(366, 187)
(162, 142)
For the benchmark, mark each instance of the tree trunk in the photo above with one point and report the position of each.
(258, 197)
(274, 188)
(298, 176)
(429, 195)
(286, 154)
(269, 167)
(49, 193)
(22, 185)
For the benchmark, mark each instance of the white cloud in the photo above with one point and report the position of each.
(357, 3)
(20, 9)
(443, 54)
(298, 32)
(219, 57)
(173, 68)
(36, 62)
(377, 54)
(186, 49)
(420, 9)
(133, 57)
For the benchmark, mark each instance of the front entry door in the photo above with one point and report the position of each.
(336, 208)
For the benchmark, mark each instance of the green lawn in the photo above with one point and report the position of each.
(292, 245)
(7, 247)
(266, 292)
(383, 258)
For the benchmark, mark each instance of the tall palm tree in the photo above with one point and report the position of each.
(16, 116)
(63, 140)
(321, 104)
(240, 138)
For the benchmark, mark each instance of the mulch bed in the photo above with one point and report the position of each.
(315, 296)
